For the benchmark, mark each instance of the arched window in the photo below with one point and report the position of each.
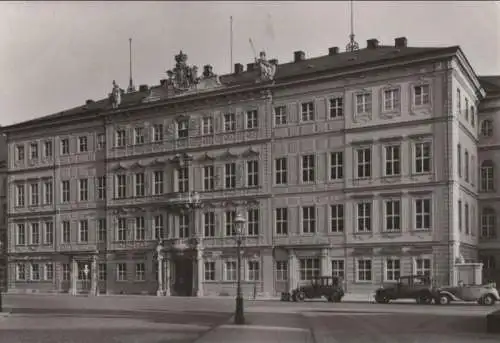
(488, 223)
(487, 128)
(487, 174)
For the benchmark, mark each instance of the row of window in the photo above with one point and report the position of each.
(468, 111)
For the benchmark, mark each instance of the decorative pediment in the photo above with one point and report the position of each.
(118, 168)
(136, 166)
(157, 163)
(206, 157)
(228, 155)
(250, 152)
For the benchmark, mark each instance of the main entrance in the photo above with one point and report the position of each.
(183, 279)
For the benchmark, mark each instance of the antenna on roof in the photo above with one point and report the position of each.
(131, 87)
(231, 41)
(352, 45)
(253, 47)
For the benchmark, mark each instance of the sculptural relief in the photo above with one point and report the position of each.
(267, 70)
(116, 95)
(183, 76)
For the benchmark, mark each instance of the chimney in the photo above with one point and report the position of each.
(333, 51)
(274, 61)
(299, 56)
(143, 88)
(401, 42)
(250, 66)
(238, 68)
(163, 82)
(372, 43)
(88, 102)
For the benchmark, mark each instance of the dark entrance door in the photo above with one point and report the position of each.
(183, 285)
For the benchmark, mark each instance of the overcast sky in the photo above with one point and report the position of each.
(55, 55)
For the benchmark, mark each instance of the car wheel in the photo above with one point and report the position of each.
(300, 296)
(443, 299)
(337, 298)
(488, 300)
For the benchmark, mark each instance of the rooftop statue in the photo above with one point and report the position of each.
(266, 68)
(183, 76)
(116, 96)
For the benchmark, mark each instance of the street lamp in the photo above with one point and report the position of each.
(239, 317)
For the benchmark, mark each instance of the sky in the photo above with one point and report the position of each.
(55, 55)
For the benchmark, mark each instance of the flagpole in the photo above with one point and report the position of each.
(231, 42)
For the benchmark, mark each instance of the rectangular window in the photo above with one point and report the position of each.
(139, 135)
(309, 268)
(140, 271)
(34, 151)
(422, 157)
(282, 221)
(392, 160)
(183, 180)
(66, 232)
(83, 144)
(229, 217)
(459, 102)
(209, 224)
(34, 194)
(423, 266)
(281, 270)
(49, 232)
(157, 132)
(101, 272)
(363, 103)
(460, 220)
(336, 165)
(20, 272)
(393, 215)
(121, 186)
(336, 106)
(209, 269)
(65, 189)
(101, 187)
(466, 109)
(101, 230)
(423, 214)
(83, 231)
(20, 198)
(364, 162)
(466, 165)
(183, 129)
(459, 160)
(20, 152)
(35, 272)
(139, 185)
(47, 149)
(308, 168)
(121, 138)
(49, 271)
(307, 111)
(392, 269)
(364, 217)
(207, 127)
(337, 218)
(466, 218)
(101, 141)
(208, 178)
(48, 194)
(229, 122)
(158, 182)
(309, 219)
(183, 226)
(158, 226)
(230, 271)
(253, 271)
(338, 268)
(253, 222)
(35, 233)
(252, 173)
(280, 165)
(252, 119)
(421, 95)
(65, 146)
(121, 272)
(140, 229)
(84, 189)
(21, 234)
(66, 272)
(122, 229)
(280, 116)
(230, 175)
(364, 270)
(392, 99)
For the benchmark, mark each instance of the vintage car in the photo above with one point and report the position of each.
(418, 287)
(482, 294)
(329, 287)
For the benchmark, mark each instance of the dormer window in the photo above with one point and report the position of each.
(182, 128)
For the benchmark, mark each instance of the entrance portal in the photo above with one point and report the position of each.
(183, 283)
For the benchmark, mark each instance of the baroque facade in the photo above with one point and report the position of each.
(362, 164)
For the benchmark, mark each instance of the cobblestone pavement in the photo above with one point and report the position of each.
(130, 319)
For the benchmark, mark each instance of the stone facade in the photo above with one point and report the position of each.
(355, 174)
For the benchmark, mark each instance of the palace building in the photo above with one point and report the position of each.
(368, 164)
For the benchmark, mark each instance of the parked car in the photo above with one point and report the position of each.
(482, 294)
(418, 287)
(329, 287)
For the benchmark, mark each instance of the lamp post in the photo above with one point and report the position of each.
(239, 317)
(159, 256)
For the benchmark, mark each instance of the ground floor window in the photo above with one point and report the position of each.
(364, 270)
(35, 272)
(253, 271)
(101, 272)
(230, 269)
(140, 272)
(281, 270)
(309, 268)
(392, 269)
(210, 271)
(338, 268)
(21, 272)
(121, 272)
(49, 271)
(66, 272)
(423, 266)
